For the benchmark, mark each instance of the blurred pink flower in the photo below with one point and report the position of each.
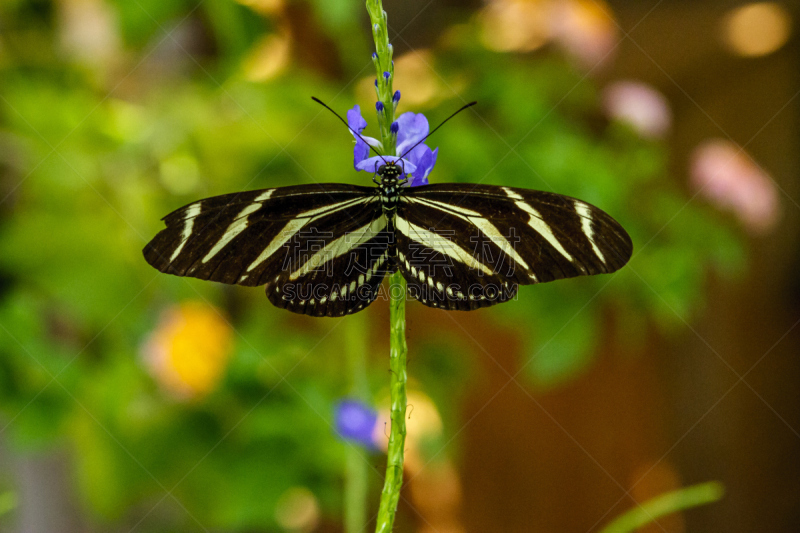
(730, 178)
(586, 30)
(639, 105)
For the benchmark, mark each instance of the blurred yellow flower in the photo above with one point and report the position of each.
(423, 421)
(269, 57)
(265, 7)
(519, 25)
(297, 510)
(189, 349)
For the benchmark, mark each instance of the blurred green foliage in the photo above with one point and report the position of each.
(95, 150)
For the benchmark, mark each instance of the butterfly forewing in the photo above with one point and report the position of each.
(469, 246)
(294, 236)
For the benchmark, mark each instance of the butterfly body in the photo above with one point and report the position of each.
(324, 249)
(389, 186)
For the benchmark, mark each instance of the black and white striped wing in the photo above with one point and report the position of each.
(464, 246)
(320, 250)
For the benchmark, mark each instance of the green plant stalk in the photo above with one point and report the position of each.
(397, 436)
(356, 479)
(383, 64)
(356, 486)
(393, 482)
(671, 502)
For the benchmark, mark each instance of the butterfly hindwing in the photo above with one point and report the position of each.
(335, 273)
(440, 258)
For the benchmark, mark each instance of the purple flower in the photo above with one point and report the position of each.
(411, 129)
(357, 123)
(355, 422)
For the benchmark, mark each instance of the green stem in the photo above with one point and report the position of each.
(383, 64)
(671, 502)
(393, 482)
(397, 436)
(356, 481)
(356, 487)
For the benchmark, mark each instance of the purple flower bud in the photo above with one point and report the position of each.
(386, 75)
(396, 97)
(374, 55)
(355, 422)
(395, 127)
(376, 82)
(379, 106)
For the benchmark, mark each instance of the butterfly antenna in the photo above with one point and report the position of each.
(323, 104)
(437, 127)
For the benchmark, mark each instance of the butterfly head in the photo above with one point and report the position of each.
(389, 172)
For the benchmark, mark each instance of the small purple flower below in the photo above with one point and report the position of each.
(355, 422)
(411, 129)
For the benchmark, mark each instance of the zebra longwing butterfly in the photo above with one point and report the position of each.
(324, 249)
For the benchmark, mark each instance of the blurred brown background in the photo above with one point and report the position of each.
(729, 386)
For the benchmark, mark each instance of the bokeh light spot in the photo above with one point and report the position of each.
(730, 179)
(639, 105)
(268, 58)
(757, 29)
(508, 25)
(180, 173)
(297, 510)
